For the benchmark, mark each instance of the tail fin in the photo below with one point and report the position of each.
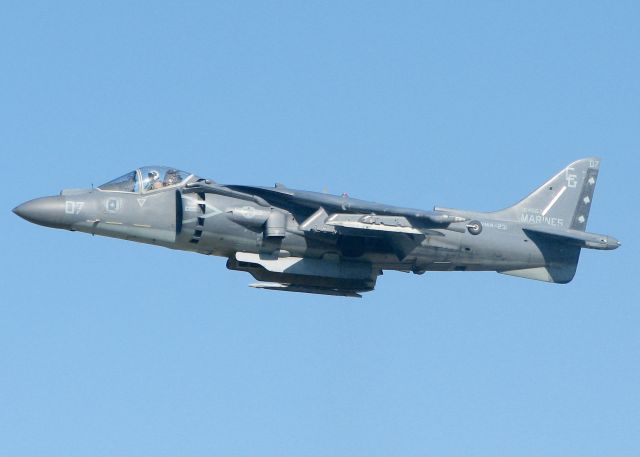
(560, 207)
(563, 201)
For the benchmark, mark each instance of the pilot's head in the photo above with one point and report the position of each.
(171, 177)
(154, 180)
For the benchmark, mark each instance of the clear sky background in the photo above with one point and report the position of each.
(109, 348)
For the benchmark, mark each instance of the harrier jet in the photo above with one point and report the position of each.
(301, 241)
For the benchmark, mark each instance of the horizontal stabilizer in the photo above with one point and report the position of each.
(575, 237)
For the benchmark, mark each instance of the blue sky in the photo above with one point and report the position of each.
(109, 348)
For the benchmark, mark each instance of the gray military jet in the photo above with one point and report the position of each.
(300, 241)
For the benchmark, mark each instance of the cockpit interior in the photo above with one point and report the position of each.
(146, 179)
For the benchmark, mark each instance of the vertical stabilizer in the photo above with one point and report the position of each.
(563, 201)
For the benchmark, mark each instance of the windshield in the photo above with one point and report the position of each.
(158, 177)
(125, 183)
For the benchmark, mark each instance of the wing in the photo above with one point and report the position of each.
(357, 225)
(331, 213)
(344, 204)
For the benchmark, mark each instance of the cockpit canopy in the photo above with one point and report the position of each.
(146, 179)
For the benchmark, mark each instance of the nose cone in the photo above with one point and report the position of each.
(47, 211)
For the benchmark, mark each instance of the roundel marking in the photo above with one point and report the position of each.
(474, 227)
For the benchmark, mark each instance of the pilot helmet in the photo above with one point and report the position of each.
(171, 177)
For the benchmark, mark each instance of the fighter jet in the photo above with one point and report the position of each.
(302, 241)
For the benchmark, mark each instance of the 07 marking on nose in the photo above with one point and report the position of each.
(71, 207)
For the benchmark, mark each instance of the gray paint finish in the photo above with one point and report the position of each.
(312, 242)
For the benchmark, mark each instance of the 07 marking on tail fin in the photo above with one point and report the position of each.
(554, 200)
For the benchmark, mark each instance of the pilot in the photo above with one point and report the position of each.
(153, 180)
(171, 177)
